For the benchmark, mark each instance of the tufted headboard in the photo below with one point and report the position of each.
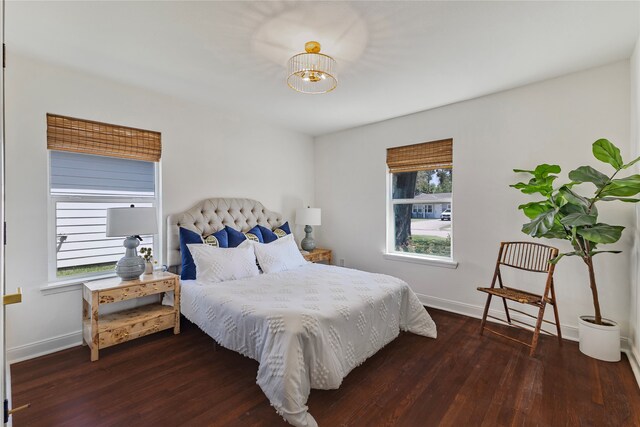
(212, 215)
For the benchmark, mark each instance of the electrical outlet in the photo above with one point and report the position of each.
(341, 262)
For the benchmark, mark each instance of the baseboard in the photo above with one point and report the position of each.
(569, 332)
(633, 356)
(46, 346)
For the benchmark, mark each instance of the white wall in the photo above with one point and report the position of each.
(206, 153)
(553, 121)
(634, 320)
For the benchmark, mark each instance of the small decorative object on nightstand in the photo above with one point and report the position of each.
(131, 223)
(308, 217)
(319, 255)
(102, 331)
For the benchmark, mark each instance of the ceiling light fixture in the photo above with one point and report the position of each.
(312, 71)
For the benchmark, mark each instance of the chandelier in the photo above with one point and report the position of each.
(312, 71)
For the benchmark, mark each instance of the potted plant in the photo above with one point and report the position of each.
(564, 213)
(148, 259)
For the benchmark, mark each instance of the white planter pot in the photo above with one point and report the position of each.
(601, 342)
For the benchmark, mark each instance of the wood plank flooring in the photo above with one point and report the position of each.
(459, 379)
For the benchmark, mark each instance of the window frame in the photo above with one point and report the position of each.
(52, 241)
(392, 254)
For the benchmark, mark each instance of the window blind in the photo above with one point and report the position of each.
(423, 156)
(103, 139)
(75, 173)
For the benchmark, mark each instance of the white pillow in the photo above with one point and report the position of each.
(215, 264)
(279, 255)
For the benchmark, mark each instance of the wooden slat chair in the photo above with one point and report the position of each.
(532, 257)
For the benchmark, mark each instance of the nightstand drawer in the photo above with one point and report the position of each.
(134, 323)
(135, 291)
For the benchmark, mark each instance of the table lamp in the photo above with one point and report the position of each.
(131, 222)
(308, 216)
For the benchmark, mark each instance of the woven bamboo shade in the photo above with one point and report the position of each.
(424, 156)
(102, 139)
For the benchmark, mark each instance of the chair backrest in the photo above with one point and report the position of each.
(527, 256)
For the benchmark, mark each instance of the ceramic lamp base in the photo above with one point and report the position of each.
(308, 244)
(131, 266)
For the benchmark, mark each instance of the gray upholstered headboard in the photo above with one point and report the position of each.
(212, 215)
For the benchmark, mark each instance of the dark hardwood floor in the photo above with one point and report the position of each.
(459, 379)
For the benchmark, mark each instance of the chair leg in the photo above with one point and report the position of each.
(536, 332)
(555, 314)
(506, 310)
(484, 315)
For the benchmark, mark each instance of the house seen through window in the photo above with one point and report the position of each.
(421, 178)
(81, 188)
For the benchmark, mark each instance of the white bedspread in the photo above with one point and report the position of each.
(308, 327)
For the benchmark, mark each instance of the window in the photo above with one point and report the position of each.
(82, 186)
(420, 172)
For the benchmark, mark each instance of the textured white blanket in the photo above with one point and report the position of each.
(308, 327)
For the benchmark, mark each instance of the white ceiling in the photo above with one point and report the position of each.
(394, 58)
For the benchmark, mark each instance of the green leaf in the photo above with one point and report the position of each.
(593, 253)
(631, 163)
(544, 170)
(623, 187)
(589, 174)
(605, 151)
(556, 232)
(602, 233)
(570, 208)
(573, 198)
(622, 199)
(541, 171)
(533, 209)
(543, 186)
(578, 219)
(540, 224)
(559, 257)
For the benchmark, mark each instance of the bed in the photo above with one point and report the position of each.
(307, 327)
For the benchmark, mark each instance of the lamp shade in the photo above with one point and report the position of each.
(308, 216)
(123, 222)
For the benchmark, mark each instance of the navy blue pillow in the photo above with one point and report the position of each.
(236, 237)
(255, 234)
(188, 266)
(270, 236)
(218, 239)
(267, 235)
(283, 230)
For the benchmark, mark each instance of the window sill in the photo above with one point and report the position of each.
(70, 285)
(436, 262)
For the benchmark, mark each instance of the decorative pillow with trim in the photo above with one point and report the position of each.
(219, 239)
(236, 237)
(277, 233)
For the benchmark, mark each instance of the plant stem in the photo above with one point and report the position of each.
(595, 198)
(588, 259)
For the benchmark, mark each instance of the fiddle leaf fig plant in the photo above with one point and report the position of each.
(563, 213)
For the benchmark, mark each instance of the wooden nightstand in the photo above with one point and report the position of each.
(319, 255)
(102, 331)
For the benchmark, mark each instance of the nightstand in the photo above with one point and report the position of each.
(102, 331)
(319, 255)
